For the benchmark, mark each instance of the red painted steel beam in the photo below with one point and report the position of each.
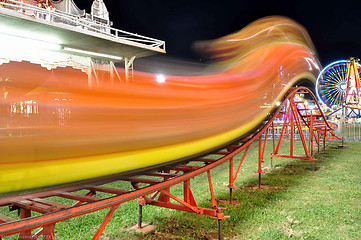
(35, 206)
(296, 157)
(184, 168)
(106, 190)
(5, 219)
(187, 193)
(162, 174)
(77, 197)
(141, 180)
(55, 205)
(105, 222)
(48, 232)
(205, 160)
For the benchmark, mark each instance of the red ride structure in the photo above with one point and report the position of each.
(153, 187)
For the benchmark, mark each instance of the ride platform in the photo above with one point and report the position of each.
(67, 32)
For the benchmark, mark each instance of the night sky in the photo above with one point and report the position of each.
(335, 28)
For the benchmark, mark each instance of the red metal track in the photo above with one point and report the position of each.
(153, 187)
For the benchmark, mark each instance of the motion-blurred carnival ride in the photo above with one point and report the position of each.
(57, 127)
(72, 122)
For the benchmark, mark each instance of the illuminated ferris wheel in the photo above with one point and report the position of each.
(336, 82)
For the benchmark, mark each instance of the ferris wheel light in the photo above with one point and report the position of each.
(334, 81)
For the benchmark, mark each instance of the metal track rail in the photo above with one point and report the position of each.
(153, 186)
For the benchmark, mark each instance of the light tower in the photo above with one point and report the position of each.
(352, 91)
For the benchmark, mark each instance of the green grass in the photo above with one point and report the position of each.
(324, 204)
(295, 203)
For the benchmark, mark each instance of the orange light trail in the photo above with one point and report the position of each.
(54, 129)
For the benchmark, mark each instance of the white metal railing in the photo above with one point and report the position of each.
(351, 132)
(56, 16)
(278, 129)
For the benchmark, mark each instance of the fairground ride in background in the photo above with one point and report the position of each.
(339, 90)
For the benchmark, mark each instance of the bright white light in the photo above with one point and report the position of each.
(21, 43)
(160, 78)
(343, 86)
(92, 53)
(278, 104)
(16, 32)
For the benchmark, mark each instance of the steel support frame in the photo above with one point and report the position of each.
(162, 198)
(128, 66)
(188, 203)
(233, 176)
(294, 120)
(162, 188)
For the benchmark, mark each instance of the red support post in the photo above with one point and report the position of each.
(187, 192)
(105, 222)
(214, 202)
(273, 136)
(318, 141)
(231, 182)
(291, 132)
(260, 157)
(48, 232)
(311, 134)
(25, 213)
(231, 173)
(324, 140)
(284, 127)
(264, 144)
(233, 177)
(164, 196)
(299, 127)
